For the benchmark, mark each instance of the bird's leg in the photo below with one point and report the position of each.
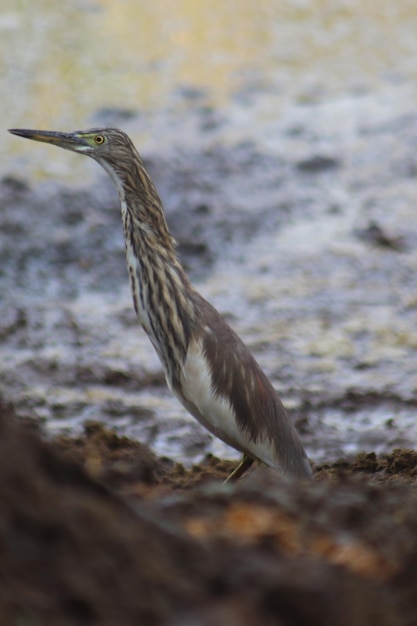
(240, 469)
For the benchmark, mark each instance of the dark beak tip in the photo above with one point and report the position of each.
(22, 132)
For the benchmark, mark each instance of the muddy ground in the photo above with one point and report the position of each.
(97, 530)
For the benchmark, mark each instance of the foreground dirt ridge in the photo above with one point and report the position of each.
(97, 530)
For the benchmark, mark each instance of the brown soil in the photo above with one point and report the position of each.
(96, 530)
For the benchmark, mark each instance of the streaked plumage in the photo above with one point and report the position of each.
(206, 364)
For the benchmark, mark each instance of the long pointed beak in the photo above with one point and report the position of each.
(69, 141)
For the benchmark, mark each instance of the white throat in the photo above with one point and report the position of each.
(115, 178)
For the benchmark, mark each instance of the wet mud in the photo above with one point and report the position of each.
(97, 530)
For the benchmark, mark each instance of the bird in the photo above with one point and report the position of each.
(206, 364)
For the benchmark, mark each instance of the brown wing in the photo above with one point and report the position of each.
(237, 376)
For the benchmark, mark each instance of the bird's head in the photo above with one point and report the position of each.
(110, 147)
(102, 144)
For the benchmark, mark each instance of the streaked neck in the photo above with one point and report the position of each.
(162, 294)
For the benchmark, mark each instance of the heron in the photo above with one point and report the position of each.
(206, 364)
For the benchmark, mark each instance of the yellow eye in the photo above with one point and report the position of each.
(99, 139)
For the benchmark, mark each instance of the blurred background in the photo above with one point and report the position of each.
(63, 63)
(282, 136)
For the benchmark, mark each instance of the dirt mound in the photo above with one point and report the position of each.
(97, 530)
(72, 553)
